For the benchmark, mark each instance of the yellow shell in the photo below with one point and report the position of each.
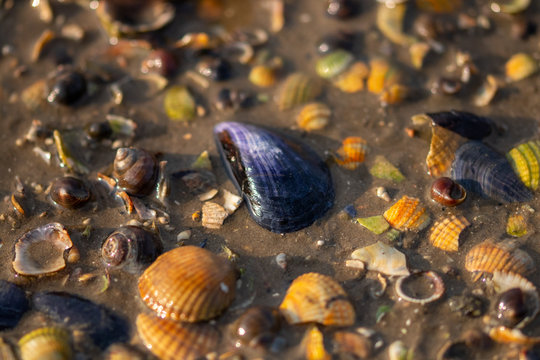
(525, 159)
(516, 225)
(504, 256)
(318, 298)
(189, 284)
(352, 80)
(445, 232)
(393, 94)
(297, 89)
(444, 144)
(351, 153)
(263, 75)
(418, 52)
(314, 116)
(382, 75)
(169, 340)
(314, 345)
(407, 214)
(49, 343)
(520, 66)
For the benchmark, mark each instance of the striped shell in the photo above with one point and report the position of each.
(525, 160)
(49, 343)
(334, 63)
(297, 89)
(352, 80)
(407, 214)
(188, 284)
(213, 215)
(314, 297)
(443, 145)
(170, 340)
(504, 256)
(263, 75)
(351, 153)
(314, 345)
(135, 170)
(520, 66)
(445, 232)
(314, 116)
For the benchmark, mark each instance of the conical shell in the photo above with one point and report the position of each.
(352, 152)
(47, 343)
(407, 214)
(525, 160)
(170, 340)
(314, 297)
(445, 232)
(382, 258)
(188, 284)
(314, 345)
(504, 256)
(444, 143)
(297, 89)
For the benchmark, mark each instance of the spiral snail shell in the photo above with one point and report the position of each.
(135, 170)
(130, 248)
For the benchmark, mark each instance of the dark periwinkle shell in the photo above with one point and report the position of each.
(13, 304)
(69, 192)
(480, 169)
(447, 192)
(131, 248)
(160, 61)
(68, 87)
(466, 124)
(511, 307)
(135, 170)
(99, 130)
(285, 184)
(77, 313)
(258, 325)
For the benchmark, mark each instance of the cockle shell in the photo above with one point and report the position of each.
(297, 89)
(313, 344)
(170, 340)
(504, 256)
(407, 214)
(285, 184)
(382, 258)
(314, 116)
(314, 297)
(445, 232)
(188, 284)
(49, 343)
(525, 160)
(351, 153)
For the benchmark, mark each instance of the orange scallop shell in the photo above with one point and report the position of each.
(189, 284)
(351, 153)
(445, 232)
(407, 214)
(444, 144)
(314, 297)
(314, 345)
(503, 256)
(169, 340)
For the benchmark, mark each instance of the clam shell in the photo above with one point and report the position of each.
(285, 184)
(297, 89)
(318, 298)
(313, 343)
(49, 343)
(443, 145)
(353, 79)
(445, 232)
(314, 116)
(407, 214)
(382, 258)
(41, 251)
(13, 304)
(481, 169)
(188, 284)
(333, 63)
(516, 225)
(170, 340)
(351, 153)
(504, 256)
(525, 160)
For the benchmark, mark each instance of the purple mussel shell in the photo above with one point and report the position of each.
(285, 184)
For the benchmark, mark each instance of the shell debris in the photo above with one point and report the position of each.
(445, 232)
(213, 215)
(504, 256)
(313, 343)
(382, 258)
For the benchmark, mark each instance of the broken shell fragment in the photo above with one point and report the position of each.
(383, 169)
(231, 202)
(407, 214)
(213, 215)
(42, 250)
(445, 232)
(314, 345)
(413, 284)
(351, 153)
(516, 225)
(504, 256)
(318, 298)
(443, 145)
(314, 116)
(520, 66)
(179, 104)
(352, 343)
(382, 258)
(352, 80)
(376, 224)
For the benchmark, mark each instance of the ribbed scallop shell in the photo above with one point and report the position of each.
(516, 225)
(525, 160)
(445, 232)
(443, 145)
(352, 152)
(407, 214)
(504, 256)
(189, 284)
(314, 345)
(47, 343)
(318, 298)
(297, 89)
(314, 116)
(171, 340)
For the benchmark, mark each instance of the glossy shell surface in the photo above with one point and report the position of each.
(444, 233)
(255, 325)
(69, 192)
(480, 169)
(285, 184)
(407, 214)
(13, 304)
(351, 153)
(49, 343)
(525, 160)
(169, 340)
(353, 79)
(297, 89)
(314, 116)
(189, 284)
(318, 298)
(135, 170)
(504, 256)
(333, 63)
(313, 344)
(447, 192)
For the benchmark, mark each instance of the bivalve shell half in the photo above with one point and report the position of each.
(41, 251)
(382, 258)
(314, 345)
(297, 89)
(49, 343)
(169, 340)
(351, 153)
(188, 284)
(445, 232)
(525, 160)
(314, 116)
(318, 298)
(504, 256)
(407, 214)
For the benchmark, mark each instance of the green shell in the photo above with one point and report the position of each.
(179, 104)
(375, 224)
(525, 160)
(383, 169)
(334, 63)
(297, 89)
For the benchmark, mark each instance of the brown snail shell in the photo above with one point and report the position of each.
(257, 325)
(69, 192)
(135, 170)
(447, 192)
(130, 248)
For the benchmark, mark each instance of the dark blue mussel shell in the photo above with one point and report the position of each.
(285, 184)
(464, 123)
(480, 169)
(77, 313)
(13, 304)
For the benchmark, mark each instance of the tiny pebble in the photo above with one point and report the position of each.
(281, 260)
